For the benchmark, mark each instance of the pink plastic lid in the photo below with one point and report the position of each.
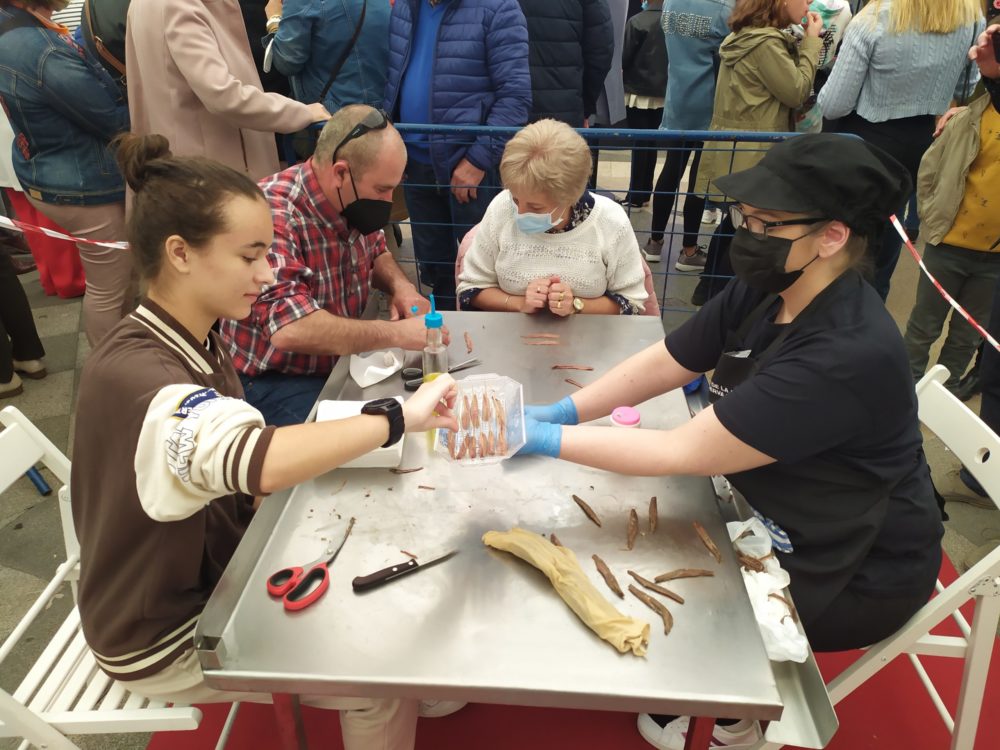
(625, 416)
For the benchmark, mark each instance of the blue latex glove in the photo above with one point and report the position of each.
(561, 412)
(543, 438)
(694, 385)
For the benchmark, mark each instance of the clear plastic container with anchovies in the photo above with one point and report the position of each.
(490, 413)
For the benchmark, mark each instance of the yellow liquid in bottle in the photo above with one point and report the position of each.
(431, 434)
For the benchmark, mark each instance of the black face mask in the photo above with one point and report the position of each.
(366, 215)
(760, 264)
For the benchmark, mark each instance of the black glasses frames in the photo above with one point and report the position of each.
(758, 227)
(374, 120)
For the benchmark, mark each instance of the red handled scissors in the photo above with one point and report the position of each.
(301, 586)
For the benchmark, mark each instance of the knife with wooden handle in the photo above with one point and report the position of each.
(384, 576)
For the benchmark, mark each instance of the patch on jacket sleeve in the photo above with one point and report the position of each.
(193, 400)
(686, 24)
(181, 442)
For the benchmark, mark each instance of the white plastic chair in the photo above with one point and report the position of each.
(978, 448)
(65, 692)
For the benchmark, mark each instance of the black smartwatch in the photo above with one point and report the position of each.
(393, 411)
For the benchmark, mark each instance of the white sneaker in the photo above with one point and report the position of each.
(711, 216)
(674, 734)
(437, 709)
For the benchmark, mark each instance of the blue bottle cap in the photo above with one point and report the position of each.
(433, 319)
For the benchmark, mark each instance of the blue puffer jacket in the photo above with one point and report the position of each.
(480, 76)
(65, 109)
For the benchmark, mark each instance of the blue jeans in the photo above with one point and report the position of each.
(282, 399)
(906, 139)
(439, 222)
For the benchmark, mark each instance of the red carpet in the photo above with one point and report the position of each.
(890, 712)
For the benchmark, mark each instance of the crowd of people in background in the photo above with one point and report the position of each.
(247, 82)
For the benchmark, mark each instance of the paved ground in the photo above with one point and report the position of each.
(30, 536)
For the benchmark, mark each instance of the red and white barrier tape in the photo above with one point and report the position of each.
(937, 285)
(20, 226)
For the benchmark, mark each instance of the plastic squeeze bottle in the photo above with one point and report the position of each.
(435, 359)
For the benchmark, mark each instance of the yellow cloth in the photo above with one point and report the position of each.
(977, 223)
(561, 567)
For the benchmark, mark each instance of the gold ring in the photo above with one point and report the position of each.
(558, 305)
(562, 296)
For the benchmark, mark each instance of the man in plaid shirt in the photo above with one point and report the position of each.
(328, 252)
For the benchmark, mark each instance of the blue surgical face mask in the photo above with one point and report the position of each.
(535, 223)
(645, 5)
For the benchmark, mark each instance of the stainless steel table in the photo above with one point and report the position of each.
(484, 626)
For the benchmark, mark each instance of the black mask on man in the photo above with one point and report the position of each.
(760, 264)
(366, 215)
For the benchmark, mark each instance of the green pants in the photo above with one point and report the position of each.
(970, 276)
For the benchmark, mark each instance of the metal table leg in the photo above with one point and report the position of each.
(699, 733)
(288, 715)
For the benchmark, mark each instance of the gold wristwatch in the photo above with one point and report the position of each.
(578, 304)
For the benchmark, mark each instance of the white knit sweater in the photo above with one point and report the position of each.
(599, 256)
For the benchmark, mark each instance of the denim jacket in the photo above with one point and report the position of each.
(693, 31)
(311, 38)
(65, 109)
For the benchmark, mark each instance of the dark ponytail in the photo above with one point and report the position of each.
(186, 196)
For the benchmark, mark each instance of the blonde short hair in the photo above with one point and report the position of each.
(547, 157)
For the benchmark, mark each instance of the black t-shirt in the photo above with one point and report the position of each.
(834, 405)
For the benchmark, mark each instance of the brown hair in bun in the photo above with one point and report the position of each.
(184, 196)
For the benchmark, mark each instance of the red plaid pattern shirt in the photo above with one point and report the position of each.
(318, 264)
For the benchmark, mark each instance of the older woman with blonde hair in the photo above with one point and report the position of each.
(547, 242)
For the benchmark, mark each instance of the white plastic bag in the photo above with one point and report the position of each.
(782, 639)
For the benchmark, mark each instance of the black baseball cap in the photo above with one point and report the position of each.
(835, 176)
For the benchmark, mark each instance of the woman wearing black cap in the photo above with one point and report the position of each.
(813, 415)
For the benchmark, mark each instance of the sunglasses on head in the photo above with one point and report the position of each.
(374, 120)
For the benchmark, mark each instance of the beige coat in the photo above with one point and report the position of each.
(944, 170)
(191, 78)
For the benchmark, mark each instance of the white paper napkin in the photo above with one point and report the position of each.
(374, 367)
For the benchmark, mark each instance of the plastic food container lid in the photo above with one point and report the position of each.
(473, 388)
(625, 416)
